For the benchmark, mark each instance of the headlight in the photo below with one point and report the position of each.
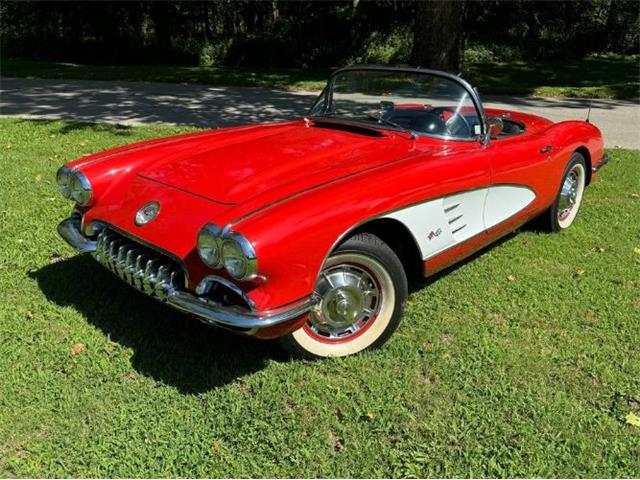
(210, 245)
(63, 178)
(80, 188)
(239, 257)
(74, 186)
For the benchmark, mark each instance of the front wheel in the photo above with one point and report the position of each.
(363, 290)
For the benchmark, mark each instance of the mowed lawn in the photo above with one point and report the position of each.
(524, 361)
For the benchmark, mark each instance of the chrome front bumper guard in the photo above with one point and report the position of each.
(199, 305)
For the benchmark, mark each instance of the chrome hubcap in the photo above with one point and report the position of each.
(569, 193)
(350, 299)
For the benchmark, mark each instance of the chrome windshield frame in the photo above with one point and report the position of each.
(327, 92)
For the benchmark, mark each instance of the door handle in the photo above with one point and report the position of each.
(546, 149)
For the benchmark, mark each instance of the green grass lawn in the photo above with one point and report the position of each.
(537, 377)
(592, 77)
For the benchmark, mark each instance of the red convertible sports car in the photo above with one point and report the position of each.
(309, 230)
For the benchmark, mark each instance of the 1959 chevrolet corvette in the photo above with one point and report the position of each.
(309, 230)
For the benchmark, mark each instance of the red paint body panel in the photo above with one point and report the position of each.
(295, 189)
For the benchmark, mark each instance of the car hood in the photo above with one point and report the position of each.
(283, 158)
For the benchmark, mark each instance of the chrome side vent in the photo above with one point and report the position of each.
(454, 214)
(139, 266)
(451, 207)
(457, 229)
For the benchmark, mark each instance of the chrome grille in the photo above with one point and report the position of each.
(139, 266)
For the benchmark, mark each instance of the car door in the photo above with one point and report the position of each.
(517, 165)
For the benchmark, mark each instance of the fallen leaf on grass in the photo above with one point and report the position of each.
(29, 314)
(511, 278)
(580, 272)
(426, 344)
(55, 258)
(634, 195)
(637, 250)
(368, 416)
(632, 419)
(78, 348)
(336, 442)
(599, 249)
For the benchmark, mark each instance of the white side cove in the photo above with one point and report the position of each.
(444, 222)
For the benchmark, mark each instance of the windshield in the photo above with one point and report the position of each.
(418, 102)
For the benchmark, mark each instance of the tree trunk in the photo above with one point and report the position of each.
(437, 35)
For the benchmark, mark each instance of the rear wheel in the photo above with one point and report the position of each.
(565, 209)
(363, 291)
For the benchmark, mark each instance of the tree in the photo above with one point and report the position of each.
(437, 35)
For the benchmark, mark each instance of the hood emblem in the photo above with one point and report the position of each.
(147, 213)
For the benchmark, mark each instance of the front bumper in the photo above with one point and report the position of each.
(155, 282)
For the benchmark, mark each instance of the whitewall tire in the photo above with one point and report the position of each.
(363, 291)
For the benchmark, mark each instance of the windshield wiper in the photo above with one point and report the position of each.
(381, 119)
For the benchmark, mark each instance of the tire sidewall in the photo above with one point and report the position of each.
(576, 159)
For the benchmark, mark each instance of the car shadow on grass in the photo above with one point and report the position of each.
(169, 347)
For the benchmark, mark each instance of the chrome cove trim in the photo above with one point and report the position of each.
(159, 280)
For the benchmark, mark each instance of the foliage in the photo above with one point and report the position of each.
(487, 377)
(475, 53)
(306, 33)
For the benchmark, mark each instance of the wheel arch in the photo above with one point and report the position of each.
(584, 151)
(397, 236)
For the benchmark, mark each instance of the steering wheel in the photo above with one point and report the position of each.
(458, 126)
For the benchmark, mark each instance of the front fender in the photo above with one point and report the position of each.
(293, 238)
(570, 136)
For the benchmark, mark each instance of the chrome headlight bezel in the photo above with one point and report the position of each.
(74, 185)
(237, 247)
(63, 179)
(80, 188)
(234, 252)
(209, 237)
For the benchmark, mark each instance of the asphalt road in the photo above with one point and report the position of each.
(134, 103)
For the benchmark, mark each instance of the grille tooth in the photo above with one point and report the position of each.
(149, 278)
(163, 280)
(98, 252)
(139, 266)
(122, 252)
(129, 265)
(139, 271)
